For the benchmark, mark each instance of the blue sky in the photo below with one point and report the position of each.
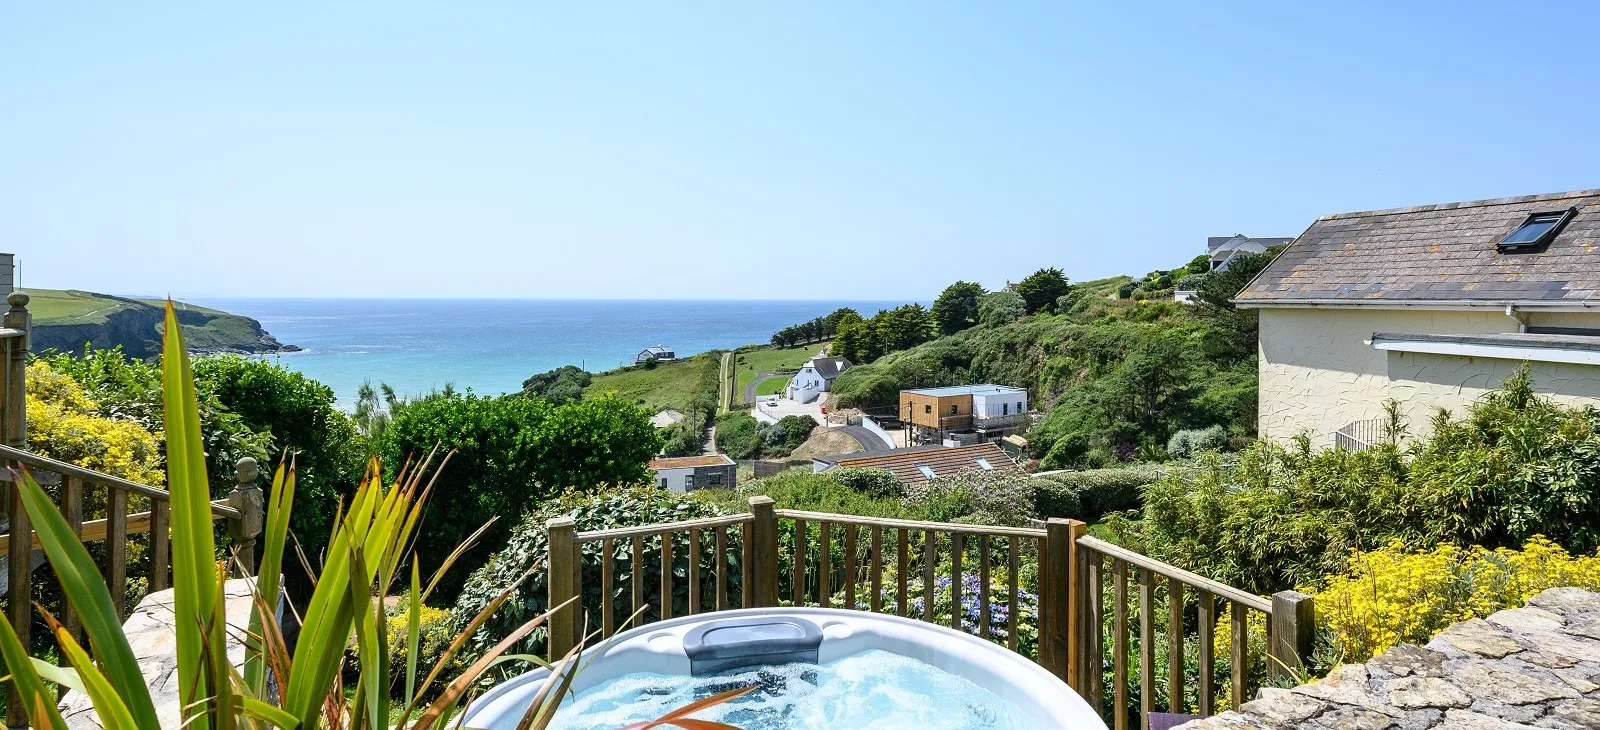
(815, 151)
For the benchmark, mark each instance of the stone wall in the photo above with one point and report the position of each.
(1531, 667)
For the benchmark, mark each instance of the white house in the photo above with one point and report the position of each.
(688, 473)
(815, 378)
(658, 353)
(1432, 306)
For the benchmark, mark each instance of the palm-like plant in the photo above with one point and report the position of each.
(371, 541)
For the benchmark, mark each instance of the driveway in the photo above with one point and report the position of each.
(870, 442)
(785, 407)
(750, 388)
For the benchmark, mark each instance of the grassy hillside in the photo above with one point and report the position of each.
(67, 319)
(748, 363)
(667, 385)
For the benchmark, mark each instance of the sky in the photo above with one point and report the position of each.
(819, 150)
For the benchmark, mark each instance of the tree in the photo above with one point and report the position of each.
(957, 307)
(512, 453)
(1001, 308)
(1220, 287)
(564, 384)
(304, 418)
(852, 342)
(1042, 288)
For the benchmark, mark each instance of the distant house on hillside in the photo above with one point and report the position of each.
(962, 412)
(688, 473)
(1432, 306)
(657, 353)
(921, 463)
(1224, 249)
(815, 378)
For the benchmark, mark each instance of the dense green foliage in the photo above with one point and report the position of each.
(1042, 288)
(303, 417)
(1000, 308)
(528, 546)
(887, 331)
(511, 453)
(957, 307)
(1092, 494)
(564, 384)
(1196, 441)
(816, 330)
(1516, 465)
(741, 436)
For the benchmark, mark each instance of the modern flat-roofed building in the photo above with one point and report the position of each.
(980, 412)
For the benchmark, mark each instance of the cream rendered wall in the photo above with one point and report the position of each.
(1320, 372)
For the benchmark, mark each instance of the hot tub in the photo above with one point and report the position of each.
(737, 643)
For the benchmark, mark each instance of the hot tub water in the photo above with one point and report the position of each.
(869, 689)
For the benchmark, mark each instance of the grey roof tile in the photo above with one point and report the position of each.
(1438, 252)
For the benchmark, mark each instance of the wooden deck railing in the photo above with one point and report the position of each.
(878, 565)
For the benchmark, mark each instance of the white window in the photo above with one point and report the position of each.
(663, 484)
(688, 482)
(984, 464)
(1005, 409)
(927, 472)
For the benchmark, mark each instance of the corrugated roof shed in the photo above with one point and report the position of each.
(1444, 253)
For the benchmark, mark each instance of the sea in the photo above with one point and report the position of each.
(491, 345)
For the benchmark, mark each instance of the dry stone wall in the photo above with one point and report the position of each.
(1531, 667)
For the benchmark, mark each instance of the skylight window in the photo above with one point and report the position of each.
(927, 472)
(984, 463)
(1537, 230)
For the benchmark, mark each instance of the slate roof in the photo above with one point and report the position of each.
(943, 461)
(830, 367)
(1443, 253)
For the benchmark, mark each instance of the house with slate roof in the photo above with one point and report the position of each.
(816, 377)
(1432, 306)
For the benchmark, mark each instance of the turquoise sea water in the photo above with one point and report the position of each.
(492, 345)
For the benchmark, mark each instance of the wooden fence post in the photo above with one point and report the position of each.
(1294, 621)
(562, 580)
(764, 572)
(16, 418)
(15, 423)
(1075, 600)
(1055, 609)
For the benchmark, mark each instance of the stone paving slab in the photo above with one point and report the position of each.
(150, 634)
(1520, 669)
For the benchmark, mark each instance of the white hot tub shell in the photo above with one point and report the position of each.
(659, 648)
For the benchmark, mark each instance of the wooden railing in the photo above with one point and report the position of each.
(879, 565)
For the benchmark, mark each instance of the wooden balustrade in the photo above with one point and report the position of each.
(821, 559)
(1288, 628)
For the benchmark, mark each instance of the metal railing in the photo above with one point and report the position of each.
(1361, 435)
(881, 563)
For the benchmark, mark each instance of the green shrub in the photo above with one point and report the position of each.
(1095, 492)
(738, 435)
(681, 440)
(529, 545)
(878, 483)
(976, 496)
(1194, 441)
(786, 435)
(512, 453)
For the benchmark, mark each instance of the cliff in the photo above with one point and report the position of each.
(67, 320)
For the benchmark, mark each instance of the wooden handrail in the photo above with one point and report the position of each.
(138, 524)
(44, 463)
(646, 530)
(948, 527)
(1193, 580)
(6, 332)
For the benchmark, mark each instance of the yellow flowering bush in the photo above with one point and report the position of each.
(63, 423)
(1394, 595)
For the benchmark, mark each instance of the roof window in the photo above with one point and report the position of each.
(1537, 230)
(926, 471)
(984, 463)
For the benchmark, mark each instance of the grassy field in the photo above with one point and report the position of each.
(667, 385)
(747, 364)
(55, 306)
(772, 386)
